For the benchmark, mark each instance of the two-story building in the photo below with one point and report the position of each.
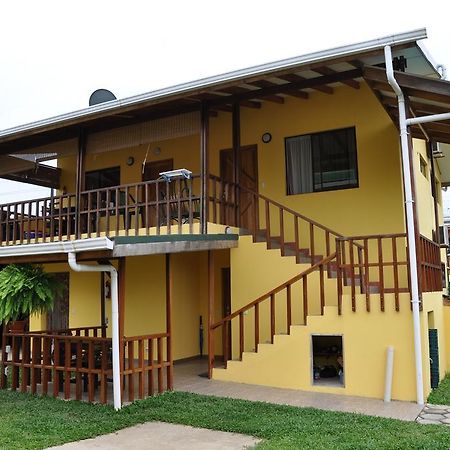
(268, 218)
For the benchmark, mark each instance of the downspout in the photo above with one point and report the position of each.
(74, 265)
(410, 227)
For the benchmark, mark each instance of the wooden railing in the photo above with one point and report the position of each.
(222, 204)
(131, 207)
(293, 232)
(148, 365)
(97, 331)
(60, 364)
(301, 298)
(430, 265)
(380, 266)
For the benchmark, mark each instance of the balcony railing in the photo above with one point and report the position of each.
(150, 207)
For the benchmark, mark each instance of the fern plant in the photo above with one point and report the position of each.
(25, 290)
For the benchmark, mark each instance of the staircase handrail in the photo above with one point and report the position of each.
(274, 291)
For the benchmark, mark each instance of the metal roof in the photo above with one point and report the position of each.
(115, 107)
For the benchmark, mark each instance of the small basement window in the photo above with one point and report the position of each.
(328, 360)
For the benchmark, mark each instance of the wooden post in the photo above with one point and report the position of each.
(433, 192)
(204, 167)
(236, 131)
(211, 303)
(122, 273)
(169, 322)
(80, 181)
(102, 302)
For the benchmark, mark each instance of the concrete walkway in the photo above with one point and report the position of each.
(159, 435)
(187, 380)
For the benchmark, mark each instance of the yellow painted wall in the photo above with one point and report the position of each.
(145, 298)
(375, 207)
(446, 319)
(366, 336)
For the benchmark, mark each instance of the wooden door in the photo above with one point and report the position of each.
(151, 172)
(248, 178)
(58, 319)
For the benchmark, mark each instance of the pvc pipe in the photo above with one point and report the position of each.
(389, 374)
(430, 118)
(74, 265)
(410, 227)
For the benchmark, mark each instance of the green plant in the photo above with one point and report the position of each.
(26, 289)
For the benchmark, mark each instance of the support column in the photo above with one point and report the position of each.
(122, 273)
(102, 303)
(204, 167)
(211, 303)
(169, 285)
(81, 156)
(236, 131)
(433, 192)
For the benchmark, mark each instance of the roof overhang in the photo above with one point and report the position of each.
(334, 65)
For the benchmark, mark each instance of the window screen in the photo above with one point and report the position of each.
(321, 161)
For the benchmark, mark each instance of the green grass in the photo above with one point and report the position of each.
(29, 422)
(441, 395)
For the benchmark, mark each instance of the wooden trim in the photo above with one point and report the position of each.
(211, 304)
(169, 302)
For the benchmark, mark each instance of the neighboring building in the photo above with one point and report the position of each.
(288, 242)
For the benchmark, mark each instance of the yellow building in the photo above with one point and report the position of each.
(256, 217)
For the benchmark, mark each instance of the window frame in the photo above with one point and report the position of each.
(331, 188)
(99, 171)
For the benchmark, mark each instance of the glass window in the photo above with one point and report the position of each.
(321, 161)
(98, 179)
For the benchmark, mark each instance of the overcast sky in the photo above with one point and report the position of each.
(54, 54)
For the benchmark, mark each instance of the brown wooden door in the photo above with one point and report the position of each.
(58, 319)
(248, 178)
(151, 172)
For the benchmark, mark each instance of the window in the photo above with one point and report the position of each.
(98, 179)
(321, 161)
(423, 167)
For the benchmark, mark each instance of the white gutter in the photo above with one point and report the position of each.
(74, 265)
(410, 227)
(185, 88)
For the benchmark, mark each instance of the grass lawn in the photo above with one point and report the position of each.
(28, 422)
(441, 395)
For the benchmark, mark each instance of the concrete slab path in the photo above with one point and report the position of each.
(160, 435)
(435, 415)
(187, 380)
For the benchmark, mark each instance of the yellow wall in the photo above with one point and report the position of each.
(446, 320)
(374, 207)
(145, 298)
(366, 336)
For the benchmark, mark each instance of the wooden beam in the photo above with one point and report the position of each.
(211, 306)
(169, 285)
(328, 71)
(236, 138)
(266, 83)
(417, 106)
(294, 78)
(417, 86)
(204, 167)
(42, 175)
(239, 90)
(293, 87)
(56, 258)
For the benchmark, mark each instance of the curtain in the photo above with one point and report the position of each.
(299, 165)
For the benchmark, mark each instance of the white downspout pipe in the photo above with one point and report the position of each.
(74, 265)
(410, 227)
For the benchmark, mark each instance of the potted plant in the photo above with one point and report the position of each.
(25, 289)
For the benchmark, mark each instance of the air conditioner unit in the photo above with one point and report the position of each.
(436, 148)
(443, 235)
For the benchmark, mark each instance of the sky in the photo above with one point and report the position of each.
(54, 54)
